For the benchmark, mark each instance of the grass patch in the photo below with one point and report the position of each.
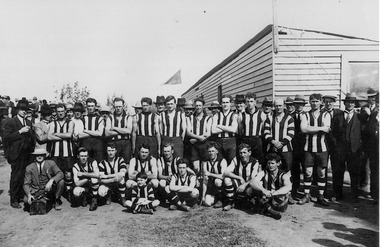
(199, 227)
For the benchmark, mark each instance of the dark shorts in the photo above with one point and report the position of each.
(124, 149)
(151, 140)
(65, 164)
(226, 147)
(199, 151)
(316, 159)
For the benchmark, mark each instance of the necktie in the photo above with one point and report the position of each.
(40, 165)
(348, 116)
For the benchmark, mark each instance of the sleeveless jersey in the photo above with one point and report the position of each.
(169, 169)
(143, 192)
(183, 181)
(92, 122)
(253, 123)
(198, 127)
(317, 142)
(246, 170)
(281, 131)
(143, 166)
(89, 169)
(273, 184)
(226, 120)
(61, 148)
(112, 168)
(145, 124)
(121, 122)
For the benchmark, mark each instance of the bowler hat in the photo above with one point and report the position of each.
(371, 92)
(214, 104)
(181, 102)
(160, 100)
(239, 98)
(350, 97)
(78, 107)
(289, 101)
(299, 99)
(22, 104)
(40, 151)
(268, 101)
(189, 105)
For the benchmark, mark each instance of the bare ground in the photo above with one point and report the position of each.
(341, 224)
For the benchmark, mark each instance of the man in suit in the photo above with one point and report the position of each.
(20, 143)
(43, 178)
(346, 131)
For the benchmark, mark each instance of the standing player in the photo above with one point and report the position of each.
(112, 175)
(237, 176)
(86, 179)
(225, 126)
(90, 138)
(315, 125)
(59, 134)
(213, 171)
(251, 123)
(173, 126)
(146, 129)
(119, 128)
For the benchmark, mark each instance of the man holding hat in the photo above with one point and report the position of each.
(346, 131)
(18, 138)
(43, 178)
(42, 127)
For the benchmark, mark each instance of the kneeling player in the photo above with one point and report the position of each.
(213, 170)
(86, 179)
(237, 177)
(182, 193)
(143, 200)
(144, 162)
(112, 175)
(273, 187)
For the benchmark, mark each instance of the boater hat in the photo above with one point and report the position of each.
(137, 105)
(299, 99)
(105, 109)
(189, 105)
(214, 104)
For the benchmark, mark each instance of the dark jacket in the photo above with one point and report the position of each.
(339, 128)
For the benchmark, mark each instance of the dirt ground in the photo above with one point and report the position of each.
(341, 224)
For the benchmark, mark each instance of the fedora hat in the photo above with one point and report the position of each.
(214, 104)
(268, 101)
(239, 98)
(160, 100)
(329, 97)
(22, 104)
(40, 151)
(299, 99)
(181, 102)
(289, 101)
(137, 105)
(189, 105)
(78, 107)
(350, 97)
(3, 110)
(371, 92)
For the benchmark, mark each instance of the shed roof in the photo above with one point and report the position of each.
(256, 38)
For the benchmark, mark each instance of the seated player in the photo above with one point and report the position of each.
(182, 193)
(112, 176)
(144, 162)
(213, 171)
(86, 179)
(143, 200)
(43, 178)
(237, 176)
(273, 187)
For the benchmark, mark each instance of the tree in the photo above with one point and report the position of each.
(73, 94)
(110, 99)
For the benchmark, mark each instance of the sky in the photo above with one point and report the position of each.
(130, 48)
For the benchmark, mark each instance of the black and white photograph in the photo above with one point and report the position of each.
(189, 123)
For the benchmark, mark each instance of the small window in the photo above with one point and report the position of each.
(363, 75)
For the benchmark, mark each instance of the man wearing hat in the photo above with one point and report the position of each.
(69, 111)
(90, 138)
(290, 108)
(60, 134)
(119, 128)
(346, 131)
(188, 109)
(215, 107)
(3, 118)
(173, 126)
(42, 127)
(267, 106)
(180, 103)
(315, 124)
(251, 124)
(19, 142)
(298, 142)
(160, 104)
(146, 129)
(239, 101)
(43, 178)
